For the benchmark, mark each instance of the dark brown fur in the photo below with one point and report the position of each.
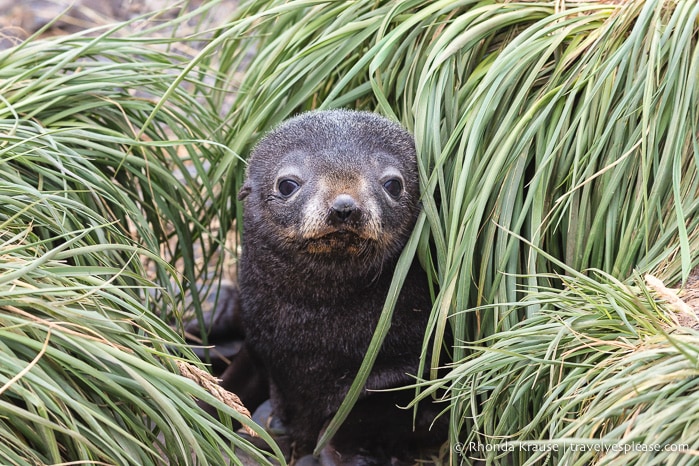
(314, 273)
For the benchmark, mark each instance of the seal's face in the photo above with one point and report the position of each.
(336, 209)
(335, 183)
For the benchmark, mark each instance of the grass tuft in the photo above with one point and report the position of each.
(100, 197)
(551, 137)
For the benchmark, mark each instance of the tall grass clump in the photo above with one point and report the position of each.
(103, 189)
(552, 137)
(598, 376)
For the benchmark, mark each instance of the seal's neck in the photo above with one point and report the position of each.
(327, 275)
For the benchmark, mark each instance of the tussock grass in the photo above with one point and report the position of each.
(598, 376)
(88, 369)
(95, 183)
(557, 145)
(545, 130)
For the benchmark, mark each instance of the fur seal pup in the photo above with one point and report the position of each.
(330, 199)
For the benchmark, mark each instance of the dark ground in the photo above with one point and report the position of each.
(20, 19)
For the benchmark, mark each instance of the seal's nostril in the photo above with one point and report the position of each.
(342, 214)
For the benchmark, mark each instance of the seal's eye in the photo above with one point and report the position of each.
(393, 187)
(287, 187)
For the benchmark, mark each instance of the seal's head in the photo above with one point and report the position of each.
(336, 184)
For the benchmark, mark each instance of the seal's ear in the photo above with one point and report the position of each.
(244, 191)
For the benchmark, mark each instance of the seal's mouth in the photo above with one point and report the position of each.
(339, 241)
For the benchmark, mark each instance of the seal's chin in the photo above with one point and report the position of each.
(341, 242)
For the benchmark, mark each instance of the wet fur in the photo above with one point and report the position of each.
(312, 289)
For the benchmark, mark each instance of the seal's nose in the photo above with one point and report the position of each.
(343, 207)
